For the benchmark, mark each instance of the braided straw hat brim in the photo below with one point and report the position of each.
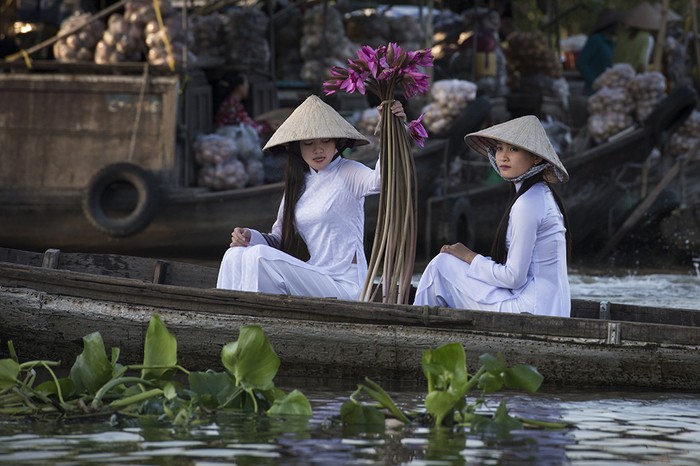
(525, 132)
(644, 16)
(314, 119)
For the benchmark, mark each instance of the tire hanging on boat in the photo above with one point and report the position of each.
(103, 189)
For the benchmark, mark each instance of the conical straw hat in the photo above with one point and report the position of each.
(527, 133)
(644, 16)
(314, 119)
(671, 16)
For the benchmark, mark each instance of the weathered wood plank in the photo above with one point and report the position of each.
(226, 302)
(333, 349)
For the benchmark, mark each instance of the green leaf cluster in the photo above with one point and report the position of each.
(100, 385)
(446, 402)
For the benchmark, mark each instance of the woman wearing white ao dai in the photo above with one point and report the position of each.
(330, 219)
(325, 194)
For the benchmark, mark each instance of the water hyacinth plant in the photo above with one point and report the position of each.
(99, 386)
(382, 71)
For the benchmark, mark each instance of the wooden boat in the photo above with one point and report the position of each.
(82, 128)
(49, 301)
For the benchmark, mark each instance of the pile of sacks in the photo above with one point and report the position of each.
(450, 97)
(231, 158)
(622, 98)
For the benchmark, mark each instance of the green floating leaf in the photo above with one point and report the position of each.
(355, 413)
(9, 371)
(159, 350)
(215, 389)
(251, 359)
(382, 397)
(492, 364)
(294, 403)
(91, 369)
(49, 387)
(170, 392)
(523, 377)
(440, 404)
(490, 383)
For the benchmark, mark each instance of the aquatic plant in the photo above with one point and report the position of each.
(382, 71)
(446, 402)
(99, 385)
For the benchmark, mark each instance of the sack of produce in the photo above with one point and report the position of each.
(230, 174)
(686, 137)
(450, 98)
(323, 43)
(213, 149)
(208, 35)
(603, 125)
(123, 41)
(648, 89)
(245, 140)
(171, 42)
(611, 99)
(79, 46)
(618, 75)
(245, 31)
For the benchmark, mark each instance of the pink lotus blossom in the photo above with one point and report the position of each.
(355, 81)
(417, 131)
(368, 55)
(382, 70)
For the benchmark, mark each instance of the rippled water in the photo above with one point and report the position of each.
(605, 428)
(672, 290)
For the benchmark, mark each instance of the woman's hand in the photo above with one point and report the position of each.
(240, 237)
(396, 109)
(460, 251)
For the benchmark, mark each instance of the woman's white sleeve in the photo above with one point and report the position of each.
(523, 224)
(362, 180)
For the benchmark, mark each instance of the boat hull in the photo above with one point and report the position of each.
(46, 312)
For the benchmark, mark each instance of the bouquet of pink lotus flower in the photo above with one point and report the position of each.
(382, 71)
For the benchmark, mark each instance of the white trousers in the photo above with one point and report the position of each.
(262, 268)
(445, 283)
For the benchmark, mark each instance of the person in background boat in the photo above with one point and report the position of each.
(316, 244)
(230, 92)
(527, 269)
(597, 54)
(635, 42)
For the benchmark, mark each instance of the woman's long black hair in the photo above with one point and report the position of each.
(294, 185)
(499, 252)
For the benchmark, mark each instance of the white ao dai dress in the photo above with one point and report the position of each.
(330, 219)
(534, 278)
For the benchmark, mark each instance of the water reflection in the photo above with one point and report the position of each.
(606, 428)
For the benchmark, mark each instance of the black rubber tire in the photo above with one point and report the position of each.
(670, 113)
(147, 201)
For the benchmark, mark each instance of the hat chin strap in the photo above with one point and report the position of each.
(533, 170)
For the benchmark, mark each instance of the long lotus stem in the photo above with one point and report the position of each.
(394, 239)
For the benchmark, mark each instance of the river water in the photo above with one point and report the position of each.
(604, 427)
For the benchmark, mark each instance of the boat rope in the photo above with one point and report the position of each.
(164, 35)
(139, 109)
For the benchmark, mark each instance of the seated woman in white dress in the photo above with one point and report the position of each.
(527, 270)
(316, 245)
